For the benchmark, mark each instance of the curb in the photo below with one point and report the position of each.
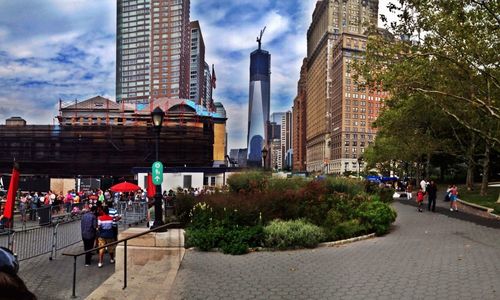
(347, 241)
(488, 210)
(477, 206)
(320, 245)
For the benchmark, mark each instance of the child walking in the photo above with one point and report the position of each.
(420, 199)
(453, 198)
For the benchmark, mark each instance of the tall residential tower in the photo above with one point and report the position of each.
(153, 48)
(197, 71)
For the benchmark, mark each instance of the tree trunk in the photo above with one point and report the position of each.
(428, 166)
(486, 170)
(471, 164)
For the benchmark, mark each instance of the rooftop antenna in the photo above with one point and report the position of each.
(259, 39)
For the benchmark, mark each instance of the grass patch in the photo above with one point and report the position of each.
(474, 197)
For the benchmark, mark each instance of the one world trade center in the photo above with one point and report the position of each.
(258, 104)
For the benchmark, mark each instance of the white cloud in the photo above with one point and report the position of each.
(47, 53)
(237, 123)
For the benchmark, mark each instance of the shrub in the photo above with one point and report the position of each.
(291, 234)
(333, 218)
(377, 216)
(237, 240)
(386, 195)
(234, 240)
(184, 204)
(371, 187)
(202, 216)
(203, 239)
(247, 182)
(348, 186)
(347, 229)
(286, 184)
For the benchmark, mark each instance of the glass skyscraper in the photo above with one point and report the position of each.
(258, 105)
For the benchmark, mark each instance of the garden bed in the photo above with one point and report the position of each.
(259, 211)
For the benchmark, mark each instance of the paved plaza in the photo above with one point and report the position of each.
(52, 279)
(440, 255)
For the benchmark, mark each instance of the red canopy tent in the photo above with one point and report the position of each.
(125, 187)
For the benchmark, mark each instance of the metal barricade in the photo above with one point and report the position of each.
(132, 213)
(36, 241)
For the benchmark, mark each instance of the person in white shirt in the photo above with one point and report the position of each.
(423, 185)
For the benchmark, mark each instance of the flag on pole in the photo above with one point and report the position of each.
(11, 195)
(214, 79)
(150, 187)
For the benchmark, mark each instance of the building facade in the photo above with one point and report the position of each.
(354, 108)
(258, 105)
(207, 93)
(197, 70)
(286, 140)
(331, 18)
(132, 51)
(299, 122)
(153, 50)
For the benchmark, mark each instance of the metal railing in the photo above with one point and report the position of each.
(124, 241)
(132, 213)
(32, 242)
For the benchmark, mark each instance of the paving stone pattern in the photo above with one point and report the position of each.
(426, 256)
(52, 279)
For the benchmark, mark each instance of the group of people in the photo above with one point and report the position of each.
(429, 189)
(99, 227)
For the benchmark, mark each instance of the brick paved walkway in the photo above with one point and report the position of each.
(53, 279)
(426, 256)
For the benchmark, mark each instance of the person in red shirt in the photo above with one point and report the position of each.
(420, 199)
(106, 235)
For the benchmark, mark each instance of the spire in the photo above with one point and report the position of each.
(259, 38)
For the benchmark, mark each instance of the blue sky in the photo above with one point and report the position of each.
(52, 49)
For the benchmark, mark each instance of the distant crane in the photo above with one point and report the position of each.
(259, 38)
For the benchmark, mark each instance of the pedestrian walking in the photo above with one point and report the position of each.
(113, 213)
(431, 196)
(423, 185)
(23, 206)
(68, 201)
(33, 206)
(420, 199)
(106, 236)
(89, 227)
(453, 198)
(409, 191)
(447, 195)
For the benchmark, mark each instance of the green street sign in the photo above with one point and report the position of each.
(157, 172)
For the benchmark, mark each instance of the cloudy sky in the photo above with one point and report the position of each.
(65, 49)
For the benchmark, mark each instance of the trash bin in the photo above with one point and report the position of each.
(44, 215)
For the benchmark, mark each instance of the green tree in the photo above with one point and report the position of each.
(443, 55)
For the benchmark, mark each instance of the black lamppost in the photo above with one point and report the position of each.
(264, 156)
(157, 116)
(360, 159)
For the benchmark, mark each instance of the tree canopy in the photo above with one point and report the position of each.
(439, 62)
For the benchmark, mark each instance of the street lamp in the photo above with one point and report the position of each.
(157, 116)
(360, 159)
(264, 155)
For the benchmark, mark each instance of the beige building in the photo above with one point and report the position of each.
(331, 18)
(353, 108)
